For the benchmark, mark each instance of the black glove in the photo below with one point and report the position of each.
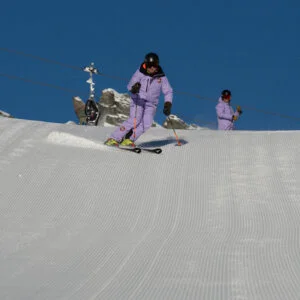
(135, 88)
(239, 110)
(167, 108)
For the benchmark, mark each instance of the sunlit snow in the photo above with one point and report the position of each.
(217, 218)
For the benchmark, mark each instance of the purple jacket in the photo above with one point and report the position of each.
(152, 85)
(225, 113)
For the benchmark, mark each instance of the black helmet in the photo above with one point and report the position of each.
(151, 59)
(226, 93)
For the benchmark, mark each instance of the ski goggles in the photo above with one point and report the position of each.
(227, 97)
(152, 64)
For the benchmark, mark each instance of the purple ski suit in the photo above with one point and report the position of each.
(143, 105)
(225, 114)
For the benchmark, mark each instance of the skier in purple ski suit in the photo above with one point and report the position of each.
(225, 113)
(145, 86)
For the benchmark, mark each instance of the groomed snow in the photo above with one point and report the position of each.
(217, 218)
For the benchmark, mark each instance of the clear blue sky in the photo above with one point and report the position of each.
(249, 47)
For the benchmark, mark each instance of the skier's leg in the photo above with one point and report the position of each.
(146, 123)
(136, 111)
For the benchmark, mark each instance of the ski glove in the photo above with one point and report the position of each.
(234, 118)
(135, 88)
(167, 108)
(239, 110)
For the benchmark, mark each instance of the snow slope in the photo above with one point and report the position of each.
(217, 218)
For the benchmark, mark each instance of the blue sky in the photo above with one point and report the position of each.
(249, 47)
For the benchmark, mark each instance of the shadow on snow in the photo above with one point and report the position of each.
(161, 143)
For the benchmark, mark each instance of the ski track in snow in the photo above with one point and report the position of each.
(66, 139)
(215, 219)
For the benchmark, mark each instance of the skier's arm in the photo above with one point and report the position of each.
(222, 114)
(134, 79)
(167, 90)
(237, 113)
(239, 110)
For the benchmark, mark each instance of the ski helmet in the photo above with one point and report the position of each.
(151, 59)
(226, 93)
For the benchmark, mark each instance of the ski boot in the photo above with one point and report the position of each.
(111, 142)
(128, 143)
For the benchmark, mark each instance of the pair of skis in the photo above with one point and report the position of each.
(138, 150)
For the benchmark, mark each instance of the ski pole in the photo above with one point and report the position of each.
(176, 136)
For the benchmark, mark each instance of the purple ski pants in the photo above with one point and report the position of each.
(144, 112)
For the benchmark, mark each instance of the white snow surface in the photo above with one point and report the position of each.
(217, 218)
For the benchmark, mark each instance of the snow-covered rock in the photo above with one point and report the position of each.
(175, 122)
(5, 114)
(114, 108)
